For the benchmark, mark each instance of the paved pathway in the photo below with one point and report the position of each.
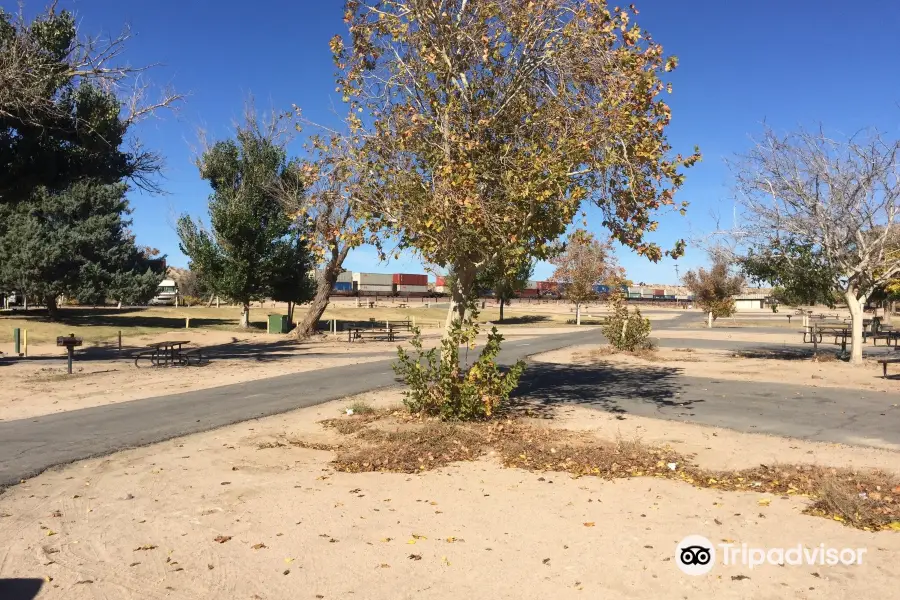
(29, 446)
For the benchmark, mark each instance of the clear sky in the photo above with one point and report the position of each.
(786, 62)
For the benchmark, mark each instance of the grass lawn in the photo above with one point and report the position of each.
(103, 324)
(97, 325)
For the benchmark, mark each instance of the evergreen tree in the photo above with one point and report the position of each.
(75, 243)
(60, 120)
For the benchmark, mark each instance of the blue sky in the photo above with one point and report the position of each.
(789, 63)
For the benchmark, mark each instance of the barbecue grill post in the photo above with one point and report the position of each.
(70, 353)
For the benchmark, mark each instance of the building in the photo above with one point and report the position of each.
(746, 302)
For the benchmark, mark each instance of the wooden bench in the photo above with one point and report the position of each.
(884, 332)
(194, 356)
(373, 334)
(401, 325)
(884, 363)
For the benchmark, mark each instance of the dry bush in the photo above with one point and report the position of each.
(361, 407)
(827, 357)
(650, 354)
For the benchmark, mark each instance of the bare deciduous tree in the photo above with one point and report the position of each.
(831, 204)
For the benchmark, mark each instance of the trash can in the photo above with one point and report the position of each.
(278, 324)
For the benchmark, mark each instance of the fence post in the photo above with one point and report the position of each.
(17, 341)
(25, 342)
(120, 342)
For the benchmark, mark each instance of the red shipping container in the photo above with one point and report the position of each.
(659, 292)
(410, 279)
(440, 280)
(528, 293)
(546, 285)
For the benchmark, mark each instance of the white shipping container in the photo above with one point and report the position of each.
(373, 279)
(412, 288)
(531, 284)
(363, 287)
(345, 277)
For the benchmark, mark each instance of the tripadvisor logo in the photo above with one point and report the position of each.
(696, 555)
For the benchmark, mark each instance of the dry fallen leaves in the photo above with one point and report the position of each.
(259, 546)
(222, 538)
(589, 524)
(145, 547)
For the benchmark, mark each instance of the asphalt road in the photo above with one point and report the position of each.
(29, 446)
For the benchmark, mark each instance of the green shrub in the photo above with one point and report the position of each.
(439, 386)
(626, 330)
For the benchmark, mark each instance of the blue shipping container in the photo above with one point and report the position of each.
(601, 289)
(343, 286)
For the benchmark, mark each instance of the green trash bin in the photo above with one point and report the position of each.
(278, 324)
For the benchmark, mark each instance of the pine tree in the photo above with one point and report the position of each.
(75, 243)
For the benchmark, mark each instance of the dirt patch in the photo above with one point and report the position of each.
(212, 516)
(866, 499)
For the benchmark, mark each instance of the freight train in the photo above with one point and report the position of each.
(416, 285)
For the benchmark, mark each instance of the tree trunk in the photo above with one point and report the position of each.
(502, 302)
(709, 320)
(578, 313)
(856, 322)
(52, 309)
(319, 303)
(245, 315)
(465, 277)
(290, 314)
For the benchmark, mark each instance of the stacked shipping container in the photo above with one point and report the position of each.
(373, 283)
(410, 283)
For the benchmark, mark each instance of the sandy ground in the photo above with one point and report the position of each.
(724, 364)
(143, 524)
(744, 335)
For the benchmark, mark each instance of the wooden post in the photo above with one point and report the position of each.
(815, 331)
(187, 322)
(120, 342)
(25, 342)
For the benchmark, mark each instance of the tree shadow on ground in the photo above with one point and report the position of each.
(236, 349)
(521, 320)
(124, 319)
(547, 386)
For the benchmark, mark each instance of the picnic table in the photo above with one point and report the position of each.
(168, 353)
(816, 332)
